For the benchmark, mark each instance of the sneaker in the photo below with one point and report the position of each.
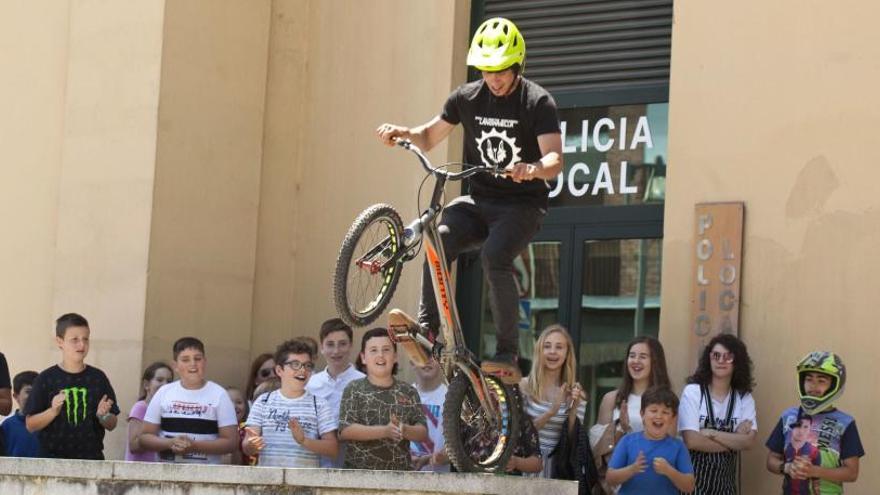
(402, 329)
(504, 366)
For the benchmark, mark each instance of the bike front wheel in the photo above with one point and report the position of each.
(368, 266)
(478, 440)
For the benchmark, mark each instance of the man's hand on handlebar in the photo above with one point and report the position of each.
(389, 133)
(519, 172)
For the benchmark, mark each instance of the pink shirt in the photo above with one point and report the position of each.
(138, 410)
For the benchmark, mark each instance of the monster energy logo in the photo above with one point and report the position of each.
(76, 396)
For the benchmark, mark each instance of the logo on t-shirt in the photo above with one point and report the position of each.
(181, 408)
(497, 149)
(76, 399)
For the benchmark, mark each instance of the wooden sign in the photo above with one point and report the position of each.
(717, 258)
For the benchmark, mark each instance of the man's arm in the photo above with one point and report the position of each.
(547, 168)
(425, 136)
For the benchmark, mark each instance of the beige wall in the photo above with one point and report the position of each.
(80, 91)
(191, 168)
(780, 112)
(332, 80)
(207, 194)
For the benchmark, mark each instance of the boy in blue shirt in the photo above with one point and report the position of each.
(821, 378)
(19, 441)
(652, 461)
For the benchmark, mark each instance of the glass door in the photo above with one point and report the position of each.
(618, 287)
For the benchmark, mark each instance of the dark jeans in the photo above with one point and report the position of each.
(504, 229)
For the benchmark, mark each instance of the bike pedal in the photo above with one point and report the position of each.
(402, 330)
(508, 375)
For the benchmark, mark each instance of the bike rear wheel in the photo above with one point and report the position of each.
(472, 443)
(365, 279)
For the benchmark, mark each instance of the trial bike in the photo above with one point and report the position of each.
(481, 414)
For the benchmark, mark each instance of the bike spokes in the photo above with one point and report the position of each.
(371, 276)
(368, 266)
(480, 440)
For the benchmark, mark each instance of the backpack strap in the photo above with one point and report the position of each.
(710, 411)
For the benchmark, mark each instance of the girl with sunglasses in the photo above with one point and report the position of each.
(717, 416)
(262, 369)
(290, 427)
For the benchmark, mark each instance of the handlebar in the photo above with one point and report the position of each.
(426, 164)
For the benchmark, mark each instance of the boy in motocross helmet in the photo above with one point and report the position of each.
(821, 379)
(510, 123)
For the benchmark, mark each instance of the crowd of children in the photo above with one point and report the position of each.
(361, 416)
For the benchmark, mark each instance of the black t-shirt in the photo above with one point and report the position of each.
(76, 432)
(4, 373)
(4, 383)
(501, 131)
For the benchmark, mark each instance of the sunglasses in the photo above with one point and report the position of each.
(297, 365)
(266, 372)
(722, 357)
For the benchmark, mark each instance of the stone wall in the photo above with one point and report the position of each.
(70, 477)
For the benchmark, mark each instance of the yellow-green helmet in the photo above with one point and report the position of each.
(497, 45)
(828, 364)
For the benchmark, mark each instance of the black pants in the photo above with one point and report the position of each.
(501, 229)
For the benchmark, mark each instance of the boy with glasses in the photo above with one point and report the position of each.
(291, 427)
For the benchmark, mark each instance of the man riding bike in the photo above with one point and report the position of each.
(510, 123)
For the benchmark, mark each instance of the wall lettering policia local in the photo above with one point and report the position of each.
(75, 404)
(602, 136)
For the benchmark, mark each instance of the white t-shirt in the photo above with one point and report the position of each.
(272, 411)
(692, 412)
(195, 413)
(432, 405)
(324, 386)
(634, 412)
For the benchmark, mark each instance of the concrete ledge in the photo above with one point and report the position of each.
(50, 476)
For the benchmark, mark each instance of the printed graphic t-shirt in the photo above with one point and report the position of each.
(272, 412)
(650, 481)
(366, 404)
(693, 411)
(432, 406)
(76, 432)
(199, 414)
(833, 433)
(501, 131)
(324, 386)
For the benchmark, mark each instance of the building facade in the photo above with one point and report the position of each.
(190, 168)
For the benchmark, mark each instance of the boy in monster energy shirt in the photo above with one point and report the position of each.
(71, 404)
